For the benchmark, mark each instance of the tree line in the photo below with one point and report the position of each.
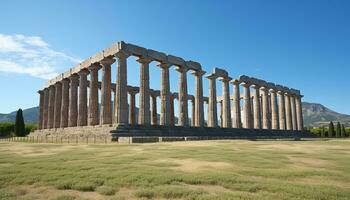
(18, 128)
(331, 131)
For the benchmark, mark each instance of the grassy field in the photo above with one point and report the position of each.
(179, 170)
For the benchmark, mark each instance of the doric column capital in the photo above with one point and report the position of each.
(182, 69)
(271, 90)
(235, 82)
(199, 73)
(164, 65)
(107, 61)
(83, 72)
(264, 89)
(122, 54)
(144, 60)
(256, 86)
(245, 84)
(211, 76)
(225, 79)
(41, 91)
(93, 67)
(74, 77)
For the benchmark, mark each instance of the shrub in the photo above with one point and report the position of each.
(6, 129)
(106, 190)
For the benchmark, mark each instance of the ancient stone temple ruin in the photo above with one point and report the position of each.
(70, 103)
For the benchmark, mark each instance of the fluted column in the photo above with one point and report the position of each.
(51, 106)
(193, 112)
(199, 107)
(154, 110)
(93, 115)
(121, 101)
(212, 108)
(294, 114)
(226, 103)
(221, 113)
(144, 101)
(165, 95)
(172, 113)
(183, 105)
(281, 110)
(73, 100)
(58, 104)
(41, 109)
(65, 103)
(274, 110)
(265, 109)
(82, 109)
(106, 93)
(300, 123)
(288, 112)
(247, 120)
(236, 108)
(132, 108)
(256, 107)
(46, 108)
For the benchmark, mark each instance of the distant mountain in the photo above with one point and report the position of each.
(315, 115)
(30, 115)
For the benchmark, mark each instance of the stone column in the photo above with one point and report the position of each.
(226, 103)
(256, 108)
(172, 114)
(281, 110)
(293, 112)
(106, 93)
(247, 120)
(221, 113)
(274, 110)
(46, 108)
(93, 115)
(51, 106)
(154, 109)
(183, 105)
(299, 113)
(65, 103)
(73, 100)
(132, 109)
(193, 120)
(199, 107)
(165, 95)
(82, 111)
(121, 101)
(265, 109)
(41, 109)
(144, 104)
(288, 112)
(236, 109)
(212, 108)
(58, 104)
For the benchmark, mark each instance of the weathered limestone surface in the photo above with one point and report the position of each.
(121, 100)
(199, 107)
(183, 105)
(65, 103)
(281, 111)
(299, 113)
(144, 101)
(106, 107)
(93, 114)
(165, 95)
(265, 109)
(41, 109)
(293, 113)
(51, 113)
(288, 112)
(73, 101)
(58, 103)
(274, 110)
(256, 109)
(212, 109)
(236, 109)
(226, 103)
(247, 121)
(82, 110)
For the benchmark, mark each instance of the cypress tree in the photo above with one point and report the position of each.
(331, 129)
(19, 124)
(323, 132)
(337, 131)
(342, 130)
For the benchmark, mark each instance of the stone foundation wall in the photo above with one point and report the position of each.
(82, 130)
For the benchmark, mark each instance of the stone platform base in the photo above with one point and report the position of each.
(156, 133)
(143, 134)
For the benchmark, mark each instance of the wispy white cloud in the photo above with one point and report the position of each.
(33, 56)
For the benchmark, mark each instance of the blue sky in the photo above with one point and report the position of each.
(300, 44)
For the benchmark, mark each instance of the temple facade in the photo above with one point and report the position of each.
(77, 98)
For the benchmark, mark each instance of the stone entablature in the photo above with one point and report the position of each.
(71, 99)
